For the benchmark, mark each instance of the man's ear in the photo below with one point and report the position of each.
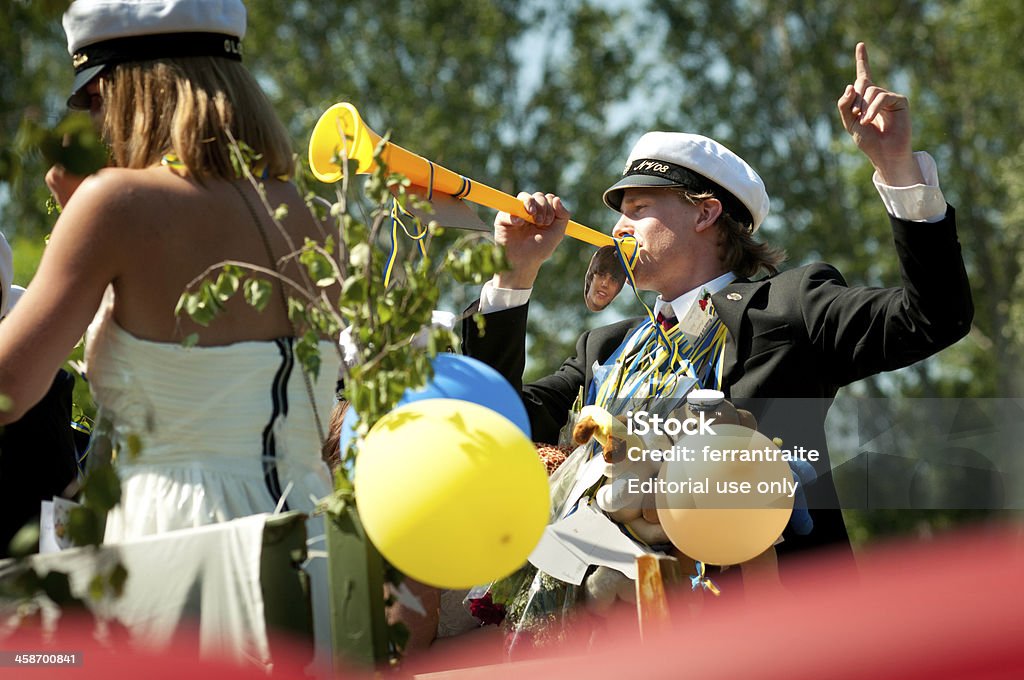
(710, 209)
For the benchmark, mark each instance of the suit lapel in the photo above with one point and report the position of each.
(731, 306)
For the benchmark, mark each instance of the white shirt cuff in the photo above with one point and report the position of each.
(494, 299)
(919, 202)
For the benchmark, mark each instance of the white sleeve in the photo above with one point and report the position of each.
(493, 299)
(919, 202)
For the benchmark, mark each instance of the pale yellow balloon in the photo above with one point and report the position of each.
(718, 524)
(451, 493)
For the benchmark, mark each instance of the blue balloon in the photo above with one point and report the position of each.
(459, 377)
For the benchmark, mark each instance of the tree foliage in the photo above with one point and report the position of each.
(764, 76)
(514, 94)
(35, 73)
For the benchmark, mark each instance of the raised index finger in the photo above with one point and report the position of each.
(863, 70)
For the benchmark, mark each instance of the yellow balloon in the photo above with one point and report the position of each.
(718, 508)
(452, 493)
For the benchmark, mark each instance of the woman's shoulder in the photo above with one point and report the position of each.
(126, 196)
(122, 202)
(117, 189)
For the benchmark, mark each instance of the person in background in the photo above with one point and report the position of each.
(38, 458)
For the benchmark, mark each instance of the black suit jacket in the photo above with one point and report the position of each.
(38, 458)
(793, 340)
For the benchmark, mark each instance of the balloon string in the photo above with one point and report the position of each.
(700, 580)
(712, 344)
(668, 340)
(396, 221)
(393, 253)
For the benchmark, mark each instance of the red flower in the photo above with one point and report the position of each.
(703, 302)
(486, 610)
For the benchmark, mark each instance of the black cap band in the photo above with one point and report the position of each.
(157, 46)
(677, 175)
(91, 60)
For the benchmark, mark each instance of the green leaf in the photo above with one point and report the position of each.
(317, 264)
(117, 578)
(84, 526)
(296, 310)
(257, 293)
(96, 588)
(354, 289)
(226, 286)
(134, 443)
(183, 303)
(75, 144)
(342, 484)
(57, 587)
(26, 541)
(102, 488)
(336, 505)
(359, 255)
(307, 351)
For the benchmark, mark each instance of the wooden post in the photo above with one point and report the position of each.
(655, 574)
(285, 587)
(356, 578)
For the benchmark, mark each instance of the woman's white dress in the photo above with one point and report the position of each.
(222, 432)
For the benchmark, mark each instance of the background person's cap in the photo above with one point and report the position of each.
(696, 163)
(102, 33)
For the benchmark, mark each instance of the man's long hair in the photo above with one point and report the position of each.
(738, 251)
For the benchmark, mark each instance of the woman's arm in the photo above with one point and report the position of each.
(81, 259)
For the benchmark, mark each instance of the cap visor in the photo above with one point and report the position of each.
(613, 195)
(79, 98)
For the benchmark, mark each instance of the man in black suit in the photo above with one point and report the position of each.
(792, 339)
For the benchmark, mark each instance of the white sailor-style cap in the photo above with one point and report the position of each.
(697, 163)
(102, 33)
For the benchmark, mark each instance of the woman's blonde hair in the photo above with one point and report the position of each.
(187, 106)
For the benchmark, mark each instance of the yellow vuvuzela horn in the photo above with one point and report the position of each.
(341, 124)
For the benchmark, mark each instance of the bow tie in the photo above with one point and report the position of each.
(666, 322)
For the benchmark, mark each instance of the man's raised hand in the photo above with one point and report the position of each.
(879, 122)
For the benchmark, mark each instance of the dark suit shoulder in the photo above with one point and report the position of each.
(599, 343)
(805, 276)
(618, 329)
